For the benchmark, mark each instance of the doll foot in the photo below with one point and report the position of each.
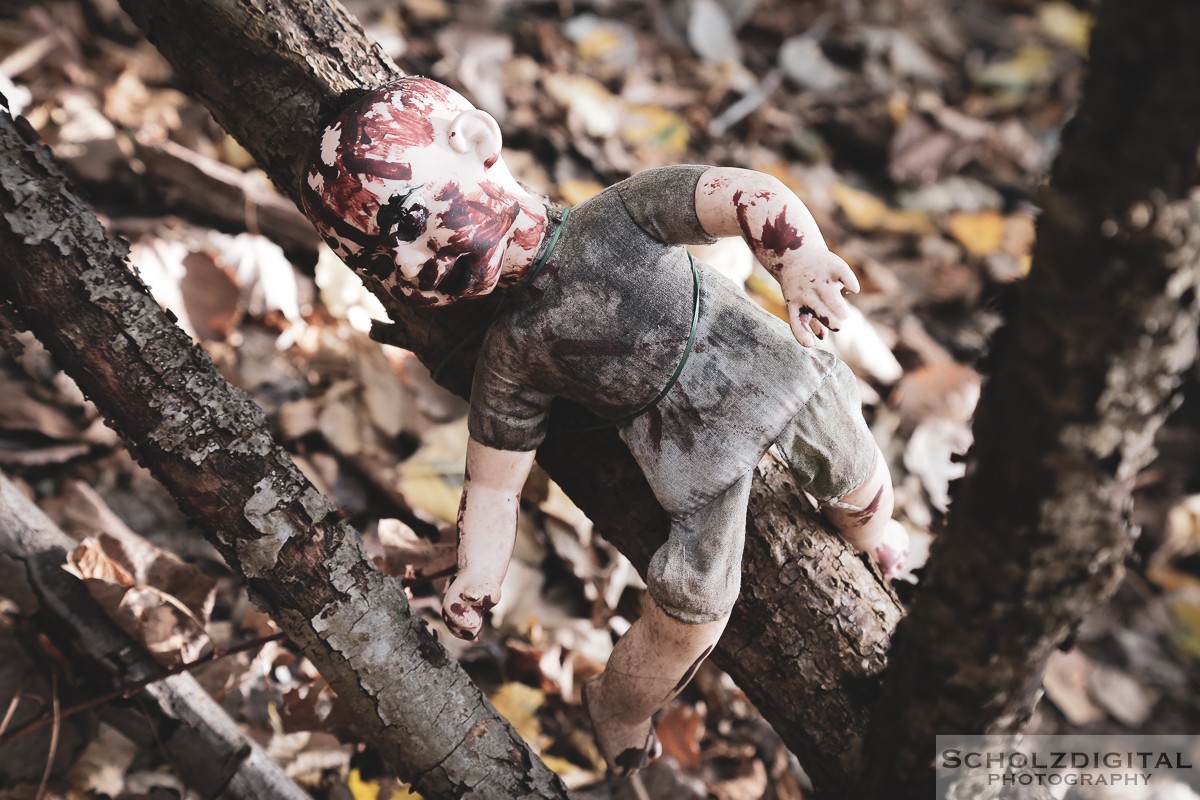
(463, 609)
(892, 552)
(626, 748)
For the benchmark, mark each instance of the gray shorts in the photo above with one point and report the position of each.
(696, 575)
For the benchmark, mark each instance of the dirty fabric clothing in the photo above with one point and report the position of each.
(605, 324)
(695, 577)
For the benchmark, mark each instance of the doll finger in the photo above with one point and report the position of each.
(825, 314)
(801, 319)
(843, 273)
(837, 310)
(817, 328)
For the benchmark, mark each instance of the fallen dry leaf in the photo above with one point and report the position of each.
(1066, 682)
(868, 213)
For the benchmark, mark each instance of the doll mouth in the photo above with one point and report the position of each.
(456, 281)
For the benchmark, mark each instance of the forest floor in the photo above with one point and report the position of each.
(918, 134)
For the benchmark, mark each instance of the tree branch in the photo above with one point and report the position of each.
(1084, 376)
(812, 628)
(204, 745)
(209, 445)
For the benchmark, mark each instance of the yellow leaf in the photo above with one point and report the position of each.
(603, 42)
(784, 172)
(518, 704)
(868, 213)
(363, 790)
(575, 192)
(432, 478)
(980, 232)
(1172, 580)
(1029, 66)
(1187, 631)
(655, 127)
(1065, 23)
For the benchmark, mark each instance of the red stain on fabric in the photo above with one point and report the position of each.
(590, 347)
(654, 428)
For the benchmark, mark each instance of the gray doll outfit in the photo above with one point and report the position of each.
(605, 325)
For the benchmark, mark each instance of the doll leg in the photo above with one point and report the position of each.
(693, 583)
(864, 518)
(835, 458)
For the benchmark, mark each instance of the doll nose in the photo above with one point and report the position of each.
(410, 258)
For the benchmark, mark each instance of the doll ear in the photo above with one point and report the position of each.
(474, 131)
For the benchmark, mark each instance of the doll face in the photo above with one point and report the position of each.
(401, 205)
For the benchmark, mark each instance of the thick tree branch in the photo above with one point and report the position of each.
(205, 746)
(1084, 376)
(210, 447)
(812, 628)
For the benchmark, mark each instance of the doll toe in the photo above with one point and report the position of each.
(892, 552)
(464, 621)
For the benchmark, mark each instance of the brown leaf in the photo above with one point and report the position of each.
(153, 595)
(21, 412)
(1066, 681)
(402, 548)
(680, 729)
(945, 390)
(89, 561)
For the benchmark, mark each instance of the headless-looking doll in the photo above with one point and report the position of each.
(607, 309)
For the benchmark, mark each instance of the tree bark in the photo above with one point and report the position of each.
(1084, 375)
(810, 633)
(209, 445)
(209, 753)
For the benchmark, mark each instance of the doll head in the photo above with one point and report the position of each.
(407, 186)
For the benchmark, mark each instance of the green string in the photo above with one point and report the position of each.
(687, 351)
(528, 279)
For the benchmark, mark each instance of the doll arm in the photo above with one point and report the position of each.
(487, 531)
(784, 237)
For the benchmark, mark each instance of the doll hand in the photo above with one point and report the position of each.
(812, 284)
(892, 551)
(464, 605)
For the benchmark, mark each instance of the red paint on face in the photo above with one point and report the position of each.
(376, 133)
(479, 229)
(408, 294)
(529, 238)
(779, 235)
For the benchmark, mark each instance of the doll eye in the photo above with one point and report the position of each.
(403, 220)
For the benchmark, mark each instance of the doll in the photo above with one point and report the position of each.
(607, 309)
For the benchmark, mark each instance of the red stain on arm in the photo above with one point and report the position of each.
(780, 236)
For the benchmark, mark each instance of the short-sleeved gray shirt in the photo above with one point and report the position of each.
(605, 325)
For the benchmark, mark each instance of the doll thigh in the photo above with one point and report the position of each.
(695, 577)
(827, 443)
